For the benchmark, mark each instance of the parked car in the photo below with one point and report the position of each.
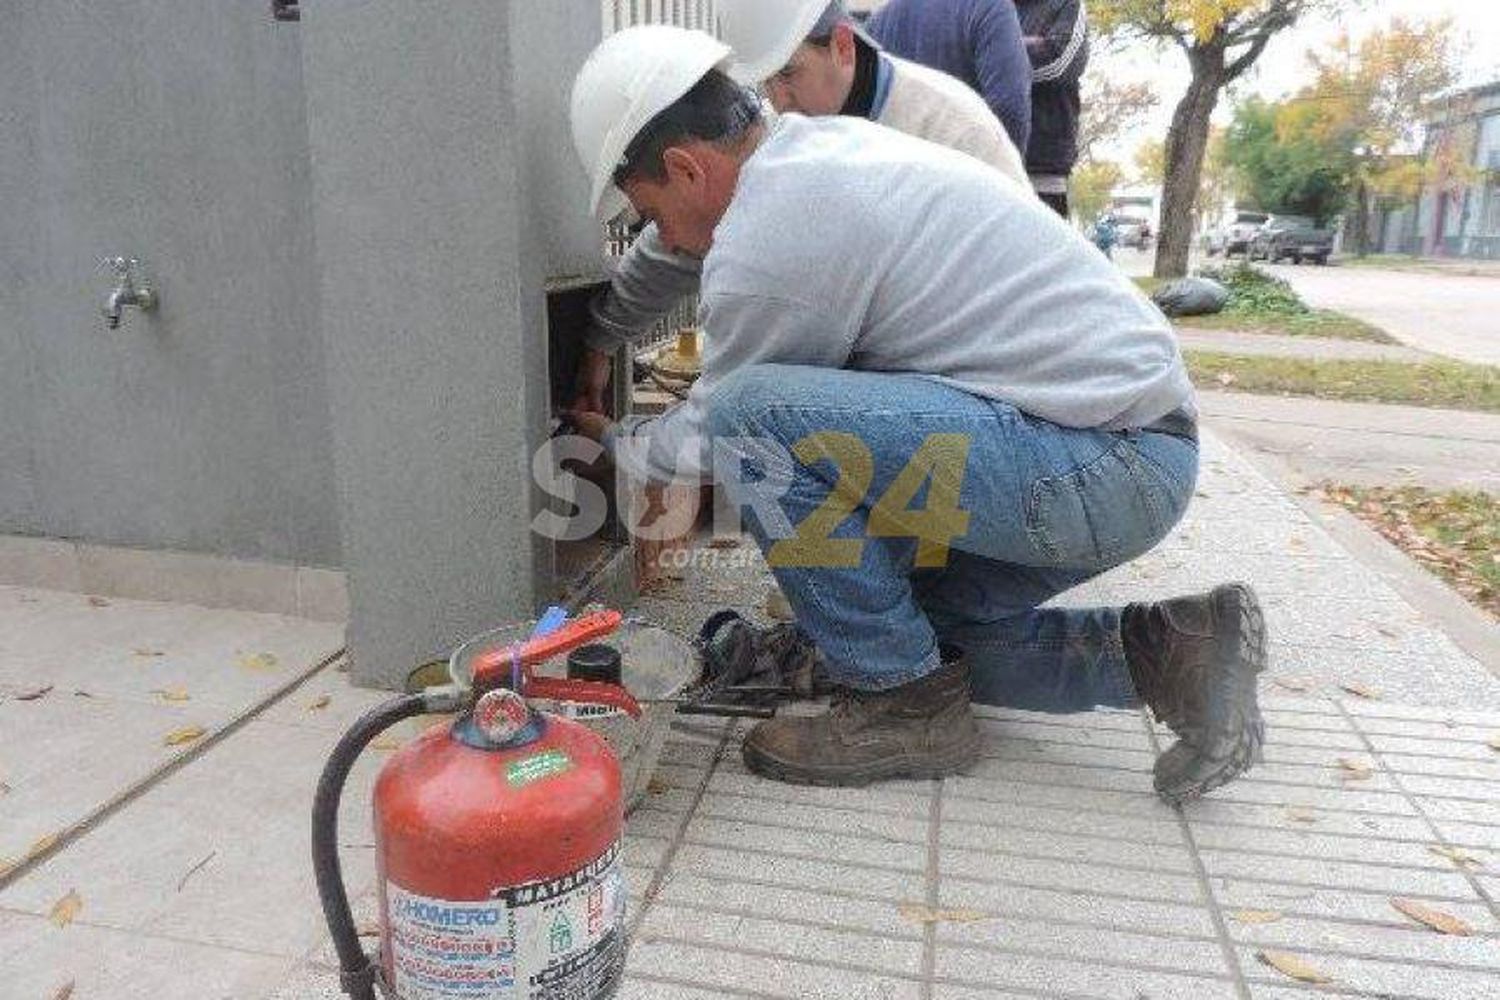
(1292, 237)
(1233, 234)
(1133, 231)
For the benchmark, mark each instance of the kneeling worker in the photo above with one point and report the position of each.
(984, 413)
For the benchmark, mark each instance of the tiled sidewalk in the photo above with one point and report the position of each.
(1051, 872)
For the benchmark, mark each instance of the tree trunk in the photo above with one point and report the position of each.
(1187, 142)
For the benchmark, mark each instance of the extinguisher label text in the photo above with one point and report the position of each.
(557, 940)
(448, 916)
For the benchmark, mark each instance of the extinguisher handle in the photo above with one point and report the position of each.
(539, 649)
(588, 692)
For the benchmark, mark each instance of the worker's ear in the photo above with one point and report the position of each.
(842, 45)
(683, 165)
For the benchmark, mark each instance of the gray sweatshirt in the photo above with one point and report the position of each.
(850, 245)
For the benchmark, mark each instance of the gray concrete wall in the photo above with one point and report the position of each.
(173, 130)
(432, 312)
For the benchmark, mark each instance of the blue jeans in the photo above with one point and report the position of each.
(1047, 508)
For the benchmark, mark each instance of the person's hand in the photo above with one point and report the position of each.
(590, 424)
(593, 379)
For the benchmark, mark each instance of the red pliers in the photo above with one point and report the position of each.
(495, 667)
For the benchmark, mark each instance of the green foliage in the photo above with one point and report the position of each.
(1254, 292)
(1092, 186)
(1448, 384)
(1287, 160)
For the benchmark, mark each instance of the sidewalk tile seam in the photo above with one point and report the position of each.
(1331, 767)
(707, 812)
(648, 938)
(933, 882)
(1474, 883)
(1374, 838)
(1013, 826)
(1000, 852)
(1060, 955)
(1200, 869)
(1479, 934)
(914, 936)
(1237, 851)
(664, 865)
(1095, 961)
(1147, 796)
(746, 796)
(1334, 952)
(815, 858)
(698, 986)
(143, 932)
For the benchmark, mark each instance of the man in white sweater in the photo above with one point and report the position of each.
(809, 56)
(938, 408)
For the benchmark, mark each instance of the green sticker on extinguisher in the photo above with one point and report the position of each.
(537, 767)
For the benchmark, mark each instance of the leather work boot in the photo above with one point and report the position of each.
(924, 729)
(1195, 661)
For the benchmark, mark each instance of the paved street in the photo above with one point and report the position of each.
(1454, 315)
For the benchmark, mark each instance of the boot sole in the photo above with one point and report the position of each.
(924, 767)
(1247, 647)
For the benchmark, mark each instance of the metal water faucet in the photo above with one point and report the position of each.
(127, 292)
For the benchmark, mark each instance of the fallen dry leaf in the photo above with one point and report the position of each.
(724, 542)
(258, 661)
(1301, 814)
(1299, 684)
(367, 929)
(1291, 965)
(186, 734)
(1443, 923)
(1462, 859)
(64, 991)
(1256, 916)
(147, 653)
(319, 703)
(656, 786)
(1362, 691)
(66, 909)
(173, 694)
(98, 602)
(919, 914)
(82, 694)
(1353, 770)
(34, 694)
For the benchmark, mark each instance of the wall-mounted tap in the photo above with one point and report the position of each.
(127, 292)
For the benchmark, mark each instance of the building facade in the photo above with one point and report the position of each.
(1459, 212)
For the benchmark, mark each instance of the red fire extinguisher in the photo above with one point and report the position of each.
(497, 840)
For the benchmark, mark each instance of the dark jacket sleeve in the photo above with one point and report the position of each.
(1001, 68)
(1056, 38)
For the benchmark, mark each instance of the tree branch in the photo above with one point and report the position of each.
(1247, 58)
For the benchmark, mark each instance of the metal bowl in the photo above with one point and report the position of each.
(655, 666)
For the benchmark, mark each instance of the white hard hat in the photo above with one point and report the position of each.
(630, 78)
(765, 33)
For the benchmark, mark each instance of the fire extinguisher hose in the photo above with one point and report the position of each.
(359, 973)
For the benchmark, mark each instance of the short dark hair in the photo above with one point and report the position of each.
(716, 109)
